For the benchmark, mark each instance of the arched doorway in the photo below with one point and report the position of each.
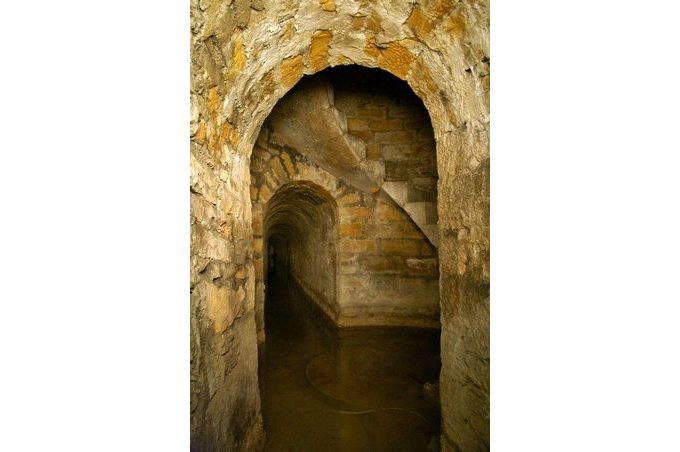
(344, 192)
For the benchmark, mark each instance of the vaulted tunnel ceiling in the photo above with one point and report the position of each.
(297, 209)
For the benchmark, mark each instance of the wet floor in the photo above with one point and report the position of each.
(325, 389)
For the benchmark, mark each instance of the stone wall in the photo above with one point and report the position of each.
(222, 313)
(245, 56)
(391, 120)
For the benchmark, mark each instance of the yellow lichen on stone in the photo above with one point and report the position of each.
(213, 103)
(268, 84)
(199, 136)
(217, 138)
(358, 23)
(225, 134)
(371, 49)
(422, 22)
(422, 82)
(213, 135)
(328, 5)
(396, 59)
(288, 31)
(234, 136)
(341, 60)
(291, 71)
(238, 58)
(455, 25)
(318, 52)
(418, 22)
(373, 23)
(218, 308)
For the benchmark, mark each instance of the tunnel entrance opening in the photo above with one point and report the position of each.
(300, 235)
(344, 192)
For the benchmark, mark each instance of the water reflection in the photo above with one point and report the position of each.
(325, 389)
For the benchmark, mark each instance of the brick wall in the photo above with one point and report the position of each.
(393, 123)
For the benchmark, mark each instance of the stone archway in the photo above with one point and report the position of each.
(330, 131)
(303, 217)
(237, 78)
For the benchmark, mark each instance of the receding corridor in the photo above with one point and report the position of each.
(358, 389)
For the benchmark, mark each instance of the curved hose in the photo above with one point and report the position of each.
(360, 412)
(376, 410)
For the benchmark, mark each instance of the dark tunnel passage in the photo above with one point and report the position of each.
(327, 388)
(300, 233)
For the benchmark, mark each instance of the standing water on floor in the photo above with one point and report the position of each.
(358, 389)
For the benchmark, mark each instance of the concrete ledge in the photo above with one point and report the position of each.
(388, 319)
(328, 313)
(377, 319)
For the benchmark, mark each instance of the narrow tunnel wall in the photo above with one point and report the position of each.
(302, 217)
(442, 49)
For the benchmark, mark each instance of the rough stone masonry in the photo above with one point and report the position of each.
(246, 55)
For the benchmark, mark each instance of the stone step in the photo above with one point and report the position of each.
(375, 169)
(431, 231)
(422, 212)
(404, 192)
(428, 184)
(397, 190)
(416, 194)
